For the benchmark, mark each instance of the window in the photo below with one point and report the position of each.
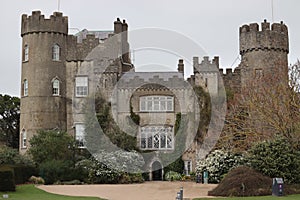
(24, 139)
(79, 135)
(55, 52)
(156, 137)
(81, 86)
(156, 103)
(187, 167)
(25, 87)
(55, 87)
(26, 53)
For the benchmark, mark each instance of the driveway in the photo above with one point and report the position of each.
(155, 190)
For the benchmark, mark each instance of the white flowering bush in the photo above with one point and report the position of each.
(217, 164)
(110, 167)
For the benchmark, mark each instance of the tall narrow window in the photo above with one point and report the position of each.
(81, 86)
(55, 52)
(25, 87)
(79, 135)
(188, 167)
(24, 139)
(55, 87)
(26, 53)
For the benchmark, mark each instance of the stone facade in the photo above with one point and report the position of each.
(59, 69)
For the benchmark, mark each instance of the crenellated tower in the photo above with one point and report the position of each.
(264, 51)
(43, 78)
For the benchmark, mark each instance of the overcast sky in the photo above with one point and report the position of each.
(213, 24)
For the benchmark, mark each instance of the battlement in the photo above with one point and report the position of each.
(206, 65)
(57, 23)
(265, 37)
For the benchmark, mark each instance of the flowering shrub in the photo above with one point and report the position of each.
(36, 180)
(115, 167)
(218, 163)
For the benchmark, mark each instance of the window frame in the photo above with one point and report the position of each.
(25, 87)
(188, 167)
(56, 80)
(152, 139)
(23, 139)
(81, 90)
(79, 138)
(26, 53)
(156, 103)
(56, 52)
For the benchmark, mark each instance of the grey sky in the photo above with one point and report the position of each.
(213, 24)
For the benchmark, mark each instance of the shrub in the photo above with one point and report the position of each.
(7, 182)
(55, 170)
(73, 182)
(23, 173)
(115, 169)
(276, 158)
(172, 176)
(218, 163)
(36, 180)
(243, 181)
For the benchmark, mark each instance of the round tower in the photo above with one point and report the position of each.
(43, 74)
(264, 51)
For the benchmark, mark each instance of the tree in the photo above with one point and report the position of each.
(9, 120)
(269, 105)
(51, 145)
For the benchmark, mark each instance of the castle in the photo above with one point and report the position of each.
(58, 72)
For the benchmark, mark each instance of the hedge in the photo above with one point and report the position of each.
(7, 182)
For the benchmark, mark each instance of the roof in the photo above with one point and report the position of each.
(102, 35)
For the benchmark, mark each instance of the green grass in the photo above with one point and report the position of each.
(290, 197)
(30, 192)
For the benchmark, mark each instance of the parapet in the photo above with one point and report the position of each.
(57, 23)
(274, 37)
(206, 65)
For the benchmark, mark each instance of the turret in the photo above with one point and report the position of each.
(43, 76)
(264, 51)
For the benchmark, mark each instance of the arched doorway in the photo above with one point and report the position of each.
(157, 171)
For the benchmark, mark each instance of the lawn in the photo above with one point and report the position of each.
(290, 197)
(30, 192)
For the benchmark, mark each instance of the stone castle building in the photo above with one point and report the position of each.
(59, 71)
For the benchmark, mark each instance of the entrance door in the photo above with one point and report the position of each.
(157, 171)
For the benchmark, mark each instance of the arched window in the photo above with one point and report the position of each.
(55, 52)
(55, 87)
(25, 87)
(26, 53)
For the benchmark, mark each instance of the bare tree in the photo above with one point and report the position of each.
(269, 105)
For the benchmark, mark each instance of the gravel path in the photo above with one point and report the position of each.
(147, 191)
